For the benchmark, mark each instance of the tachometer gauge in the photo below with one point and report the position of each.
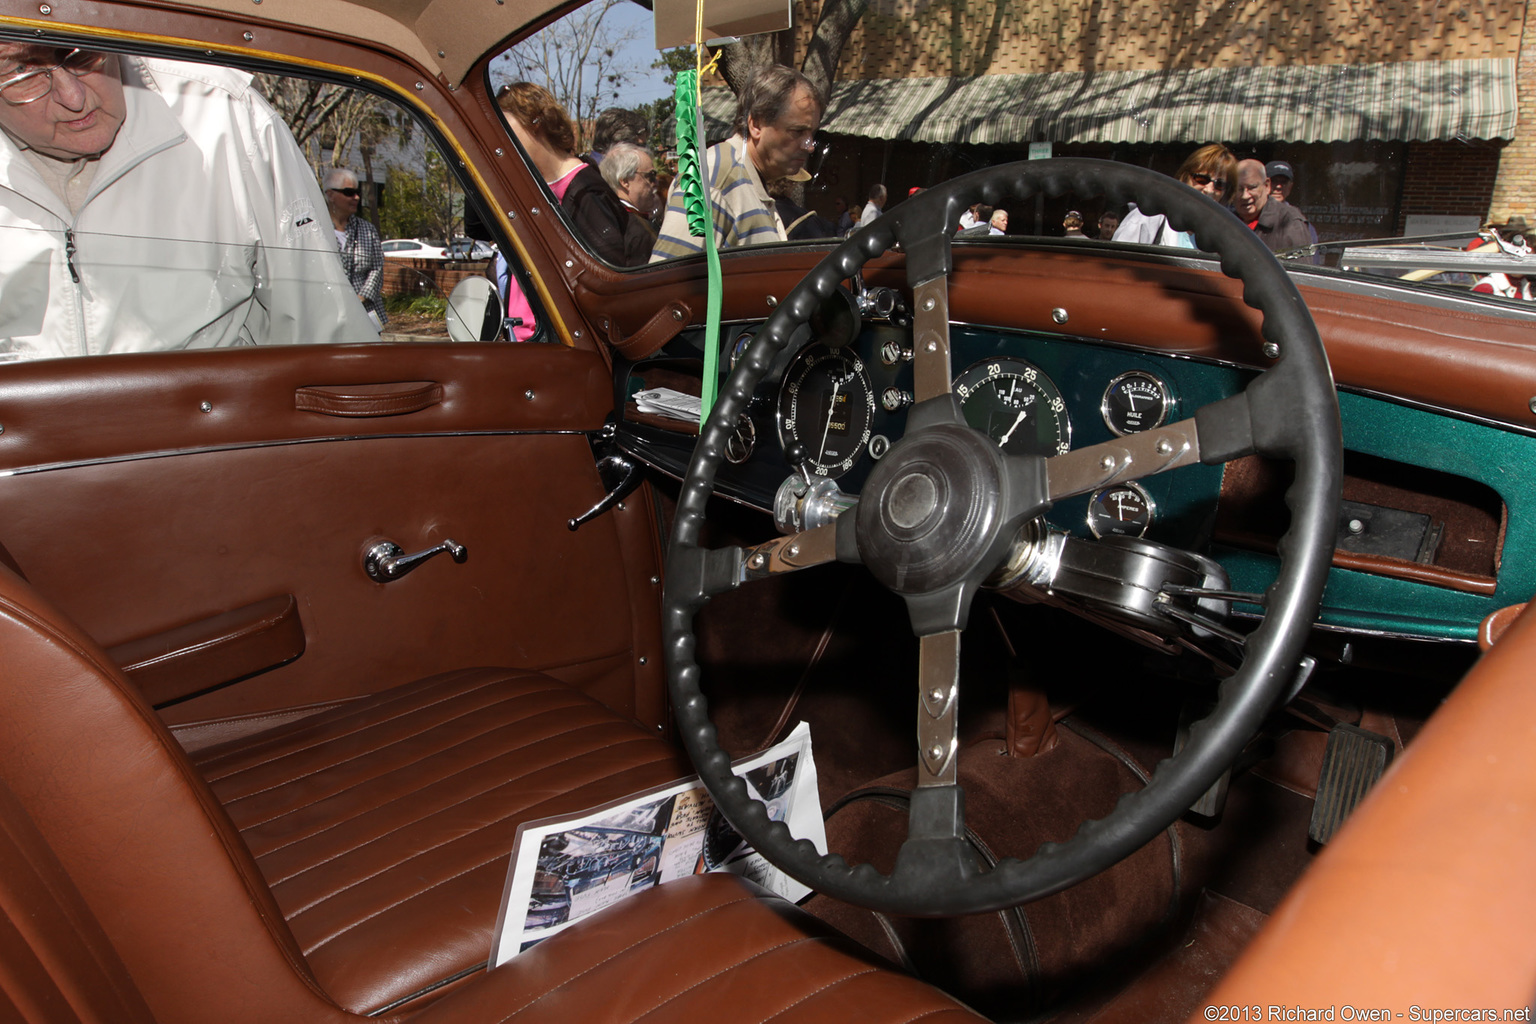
(1016, 405)
(826, 405)
(1136, 401)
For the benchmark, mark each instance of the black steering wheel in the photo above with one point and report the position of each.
(941, 512)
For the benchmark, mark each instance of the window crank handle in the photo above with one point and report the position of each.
(386, 561)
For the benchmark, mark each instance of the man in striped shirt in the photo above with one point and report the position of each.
(778, 113)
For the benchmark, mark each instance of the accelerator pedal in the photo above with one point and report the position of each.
(1352, 762)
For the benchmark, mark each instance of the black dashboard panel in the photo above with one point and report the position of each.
(1079, 379)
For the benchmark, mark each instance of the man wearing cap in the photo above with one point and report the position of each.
(1277, 223)
(1281, 178)
(778, 113)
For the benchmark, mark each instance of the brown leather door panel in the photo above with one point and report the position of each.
(135, 527)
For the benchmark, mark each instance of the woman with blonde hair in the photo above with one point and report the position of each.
(1211, 169)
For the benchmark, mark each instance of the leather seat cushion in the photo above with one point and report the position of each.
(706, 948)
(384, 827)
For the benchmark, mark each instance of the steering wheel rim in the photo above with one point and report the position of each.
(1290, 411)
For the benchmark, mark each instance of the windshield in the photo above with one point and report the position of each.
(1342, 126)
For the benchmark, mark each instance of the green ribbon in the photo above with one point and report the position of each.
(691, 177)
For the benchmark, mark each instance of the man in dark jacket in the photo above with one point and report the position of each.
(631, 173)
(1278, 224)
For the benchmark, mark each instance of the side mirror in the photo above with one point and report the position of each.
(475, 311)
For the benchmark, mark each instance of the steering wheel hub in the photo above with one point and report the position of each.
(930, 512)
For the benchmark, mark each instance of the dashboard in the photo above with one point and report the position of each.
(1434, 503)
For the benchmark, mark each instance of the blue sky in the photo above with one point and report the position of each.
(648, 85)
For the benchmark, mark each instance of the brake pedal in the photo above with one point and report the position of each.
(1352, 762)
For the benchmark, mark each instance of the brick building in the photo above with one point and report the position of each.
(1396, 113)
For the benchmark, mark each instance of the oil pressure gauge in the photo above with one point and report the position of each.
(1136, 401)
(1124, 509)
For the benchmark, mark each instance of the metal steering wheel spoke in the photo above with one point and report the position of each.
(935, 853)
(1125, 458)
(790, 554)
(931, 374)
(938, 688)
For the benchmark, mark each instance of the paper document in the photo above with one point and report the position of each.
(666, 402)
(565, 869)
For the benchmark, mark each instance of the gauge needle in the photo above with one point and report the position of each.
(1016, 421)
(831, 412)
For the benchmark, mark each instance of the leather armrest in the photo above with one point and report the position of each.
(213, 652)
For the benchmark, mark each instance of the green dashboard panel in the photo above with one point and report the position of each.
(1502, 459)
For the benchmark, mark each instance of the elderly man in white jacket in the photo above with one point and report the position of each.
(151, 205)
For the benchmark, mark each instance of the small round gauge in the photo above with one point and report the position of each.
(1016, 405)
(1123, 509)
(739, 349)
(742, 442)
(1136, 401)
(826, 405)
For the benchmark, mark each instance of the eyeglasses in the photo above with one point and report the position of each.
(649, 176)
(350, 193)
(1202, 180)
(31, 86)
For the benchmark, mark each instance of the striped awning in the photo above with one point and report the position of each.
(1405, 101)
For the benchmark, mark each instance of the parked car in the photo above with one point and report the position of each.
(295, 636)
(470, 249)
(414, 248)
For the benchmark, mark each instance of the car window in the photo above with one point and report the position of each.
(1363, 129)
(209, 208)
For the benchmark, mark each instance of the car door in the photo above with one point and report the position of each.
(207, 515)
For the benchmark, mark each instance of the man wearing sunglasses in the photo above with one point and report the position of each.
(152, 204)
(631, 173)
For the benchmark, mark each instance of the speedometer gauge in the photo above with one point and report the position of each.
(826, 405)
(1016, 405)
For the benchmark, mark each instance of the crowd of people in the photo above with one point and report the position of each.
(182, 212)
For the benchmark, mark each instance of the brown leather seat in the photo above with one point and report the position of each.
(383, 828)
(711, 947)
(352, 862)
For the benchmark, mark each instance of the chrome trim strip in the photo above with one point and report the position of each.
(165, 453)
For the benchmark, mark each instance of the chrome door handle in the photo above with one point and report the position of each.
(387, 561)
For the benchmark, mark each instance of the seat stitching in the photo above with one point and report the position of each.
(473, 867)
(726, 970)
(415, 792)
(300, 911)
(468, 712)
(960, 1007)
(364, 727)
(416, 763)
(632, 946)
(819, 991)
(352, 711)
(358, 728)
(439, 810)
